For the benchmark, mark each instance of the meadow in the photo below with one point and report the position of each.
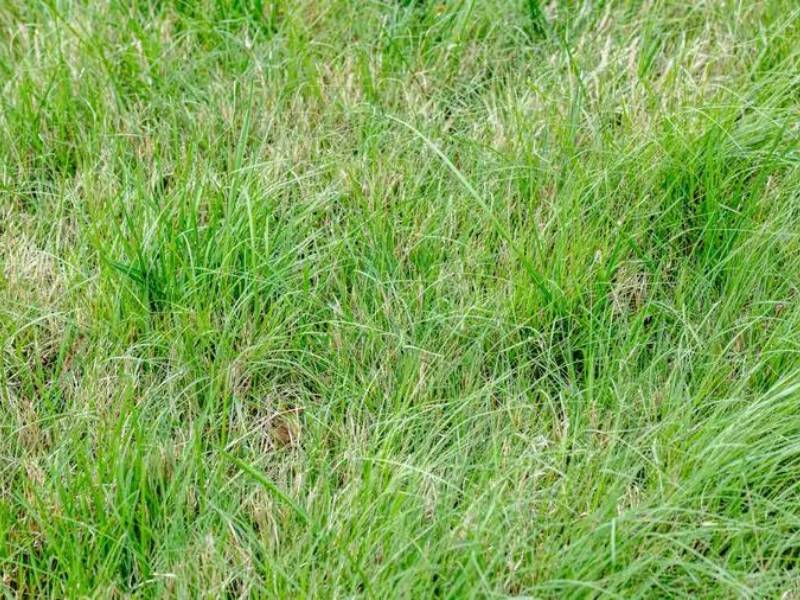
(400, 298)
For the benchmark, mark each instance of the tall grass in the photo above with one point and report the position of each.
(406, 299)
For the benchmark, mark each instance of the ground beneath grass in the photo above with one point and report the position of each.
(470, 298)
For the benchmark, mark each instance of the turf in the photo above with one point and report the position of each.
(477, 298)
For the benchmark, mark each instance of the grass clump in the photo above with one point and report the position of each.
(415, 299)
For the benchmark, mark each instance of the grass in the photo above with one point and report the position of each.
(400, 298)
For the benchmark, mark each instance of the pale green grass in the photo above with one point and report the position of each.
(477, 298)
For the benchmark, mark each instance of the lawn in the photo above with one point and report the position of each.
(400, 298)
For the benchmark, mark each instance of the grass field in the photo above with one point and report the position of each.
(400, 298)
